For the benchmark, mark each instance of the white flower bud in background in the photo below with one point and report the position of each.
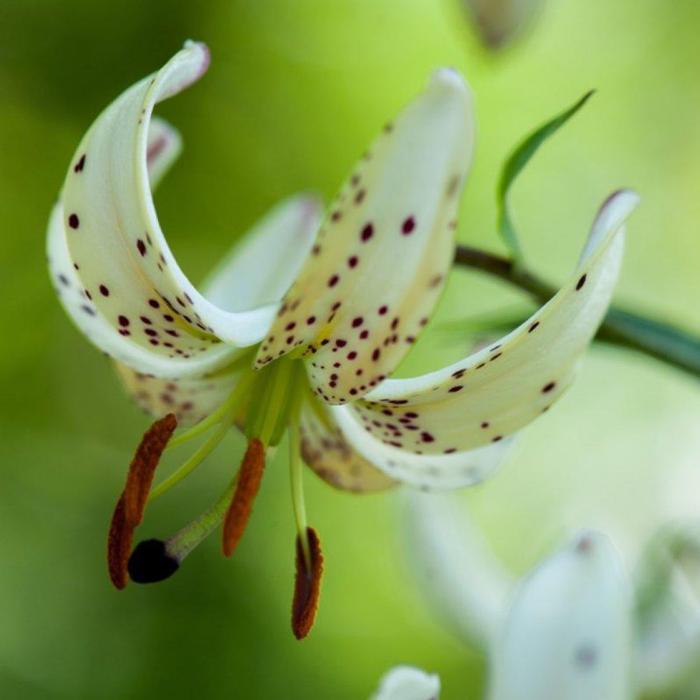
(568, 634)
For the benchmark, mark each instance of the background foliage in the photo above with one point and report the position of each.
(295, 91)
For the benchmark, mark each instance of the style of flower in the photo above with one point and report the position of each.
(301, 326)
(575, 628)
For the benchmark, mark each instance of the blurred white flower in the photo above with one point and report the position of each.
(575, 628)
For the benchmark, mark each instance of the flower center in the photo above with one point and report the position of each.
(264, 403)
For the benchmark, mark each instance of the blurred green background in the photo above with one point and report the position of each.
(296, 90)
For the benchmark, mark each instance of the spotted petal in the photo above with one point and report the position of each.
(382, 254)
(502, 388)
(258, 271)
(379, 446)
(121, 256)
(191, 399)
(568, 633)
(325, 450)
(408, 683)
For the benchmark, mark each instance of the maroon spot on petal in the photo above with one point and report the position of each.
(73, 221)
(290, 326)
(359, 197)
(146, 320)
(367, 232)
(357, 321)
(341, 343)
(375, 355)
(352, 261)
(581, 282)
(548, 387)
(151, 332)
(333, 280)
(78, 168)
(533, 326)
(455, 389)
(485, 424)
(311, 320)
(352, 355)
(141, 246)
(123, 321)
(104, 291)
(498, 438)
(364, 335)
(426, 437)
(394, 323)
(408, 225)
(336, 215)
(382, 310)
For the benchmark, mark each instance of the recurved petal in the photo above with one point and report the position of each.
(325, 450)
(113, 339)
(114, 238)
(567, 636)
(377, 268)
(500, 389)
(408, 683)
(379, 445)
(191, 399)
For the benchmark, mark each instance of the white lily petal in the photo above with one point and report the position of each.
(427, 472)
(462, 579)
(114, 237)
(568, 633)
(498, 390)
(79, 304)
(325, 451)
(381, 257)
(263, 264)
(191, 399)
(408, 683)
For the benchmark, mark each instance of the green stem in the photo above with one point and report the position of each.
(621, 328)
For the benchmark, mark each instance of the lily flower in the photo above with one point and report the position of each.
(575, 628)
(302, 326)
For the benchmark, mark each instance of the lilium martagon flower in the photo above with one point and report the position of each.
(576, 627)
(301, 326)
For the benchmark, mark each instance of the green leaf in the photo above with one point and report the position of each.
(515, 163)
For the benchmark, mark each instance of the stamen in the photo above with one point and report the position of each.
(119, 546)
(151, 562)
(143, 467)
(307, 585)
(296, 467)
(130, 507)
(225, 413)
(155, 560)
(249, 478)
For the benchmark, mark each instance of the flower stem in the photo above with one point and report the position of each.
(621, 328)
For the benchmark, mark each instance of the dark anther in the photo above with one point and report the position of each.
(151, 562)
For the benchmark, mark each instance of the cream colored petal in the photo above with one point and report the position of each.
(325, 450)
(499, 390)
(378, 446)
(382, 255)
(191, 399)
(115, 241)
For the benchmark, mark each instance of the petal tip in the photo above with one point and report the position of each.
(450, 78)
